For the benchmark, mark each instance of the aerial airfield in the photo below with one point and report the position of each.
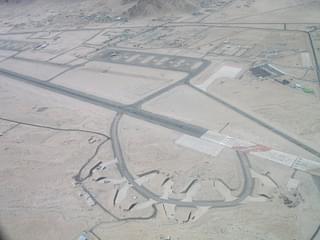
(180, 120)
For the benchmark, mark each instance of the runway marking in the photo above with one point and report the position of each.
(287, 159)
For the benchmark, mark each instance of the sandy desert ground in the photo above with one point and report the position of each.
(160, 119)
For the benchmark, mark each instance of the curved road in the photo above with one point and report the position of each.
(124, 171)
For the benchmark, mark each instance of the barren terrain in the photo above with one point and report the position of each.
(160, 120)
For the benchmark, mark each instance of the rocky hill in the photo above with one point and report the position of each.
(141, 8)
(158, 7)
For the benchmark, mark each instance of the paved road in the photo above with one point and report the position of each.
(135, 111)
(111, 105)
(123, 169)
(315, 51)
(138, 113)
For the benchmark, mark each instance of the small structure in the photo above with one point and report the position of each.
(266, 70)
